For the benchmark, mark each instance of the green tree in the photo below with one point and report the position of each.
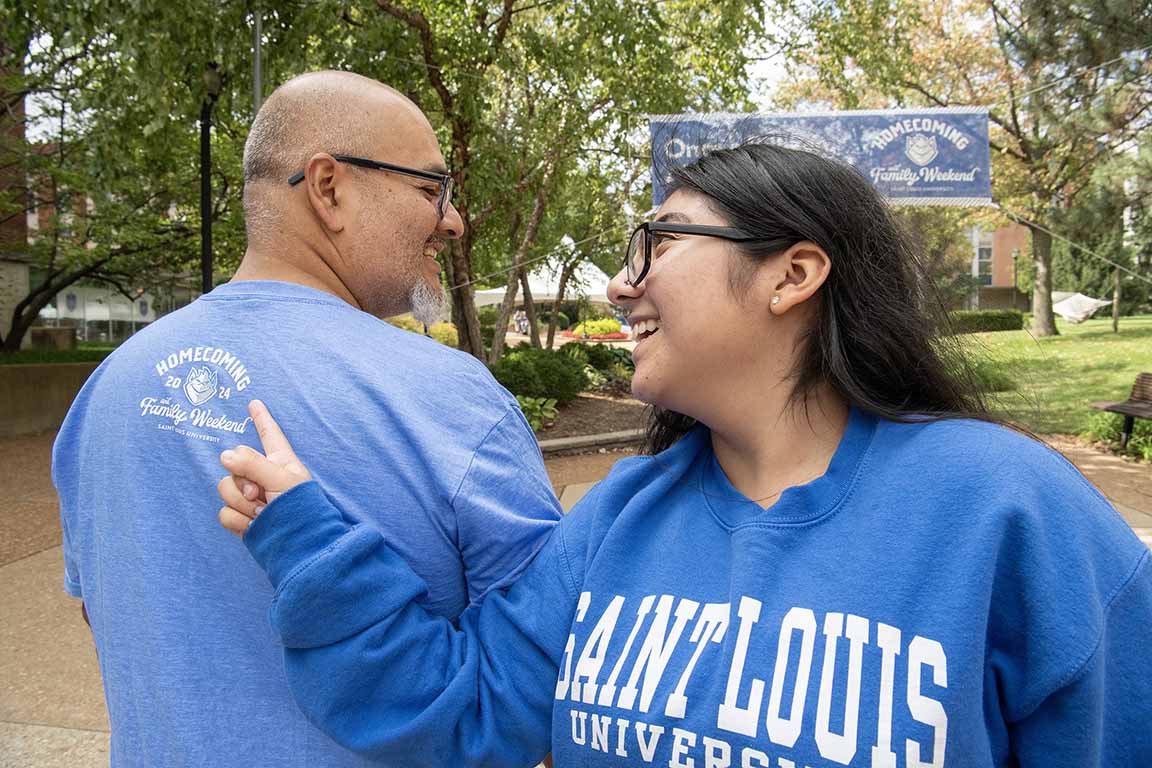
(107, 223)
(520, 88)
(1063, 96)
(519, 92)
(944, 249)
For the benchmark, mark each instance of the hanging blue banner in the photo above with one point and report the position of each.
(913, 157)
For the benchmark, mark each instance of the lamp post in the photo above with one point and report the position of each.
(212, 87)
(1015, 275)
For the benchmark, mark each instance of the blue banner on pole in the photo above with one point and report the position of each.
(913, 157)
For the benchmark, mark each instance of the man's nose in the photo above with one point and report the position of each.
(451, 225)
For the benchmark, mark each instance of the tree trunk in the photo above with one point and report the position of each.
(1043, 320)
(529, 309)
(506, 305)
(565, 273)
(463, 303)
(526, 242)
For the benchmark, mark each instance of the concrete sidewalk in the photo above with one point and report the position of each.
(51, 701)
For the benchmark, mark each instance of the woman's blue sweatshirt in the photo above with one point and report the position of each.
(948, 594)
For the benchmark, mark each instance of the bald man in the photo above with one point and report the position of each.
(347, 203)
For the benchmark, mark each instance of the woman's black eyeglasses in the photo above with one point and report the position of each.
(443, 180)
(638, 258)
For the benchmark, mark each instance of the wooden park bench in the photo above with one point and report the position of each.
(1137, 406)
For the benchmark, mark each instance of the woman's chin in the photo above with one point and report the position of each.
(645, 392)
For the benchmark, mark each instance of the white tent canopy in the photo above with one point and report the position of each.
(588, 280)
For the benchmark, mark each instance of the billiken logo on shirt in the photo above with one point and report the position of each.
(629, 684)
(200, 381)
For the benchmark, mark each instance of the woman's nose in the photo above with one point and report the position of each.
(620, 292)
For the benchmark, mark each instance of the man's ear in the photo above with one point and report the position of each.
(805, 268)
(327, 184)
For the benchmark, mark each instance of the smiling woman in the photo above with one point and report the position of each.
(789, 221)
(831, 556)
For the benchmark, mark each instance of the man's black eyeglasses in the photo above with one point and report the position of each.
(443, 180)
(638, 258)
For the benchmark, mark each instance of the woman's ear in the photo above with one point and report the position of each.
(805, 268)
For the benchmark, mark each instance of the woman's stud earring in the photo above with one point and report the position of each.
(775, 300)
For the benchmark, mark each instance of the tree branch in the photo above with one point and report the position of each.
(419, 22)
(498, 39)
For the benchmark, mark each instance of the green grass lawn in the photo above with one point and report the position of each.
(1057, 379)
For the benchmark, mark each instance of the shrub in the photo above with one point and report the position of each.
(576, 352)
(986, 320)
(518, 376)
(596, 379)
(562, 320)
(406, 323)
(530, 372)
(445, 333)
(597, 327)
(539, 411)
(624, 359)
(1107, 428)
(488, 317)
(600, 356)
(39, 356)
(609, 369)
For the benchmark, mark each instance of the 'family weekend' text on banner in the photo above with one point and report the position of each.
(913, 157)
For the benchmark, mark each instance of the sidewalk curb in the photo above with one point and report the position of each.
(603, 440)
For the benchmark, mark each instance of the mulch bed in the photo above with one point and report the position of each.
(593, 414)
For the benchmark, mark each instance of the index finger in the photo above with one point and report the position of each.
(271, 436)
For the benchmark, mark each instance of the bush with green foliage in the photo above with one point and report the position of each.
(488, 317)
(596, 379)
(576, 352)
(531, 372)
(405, 323)
(985, 320)
(597, 327)
(609, 368)
(445, 333)
(539, 411)
(1107, 428)
(562, 320)
(41, 356)
(601, 356)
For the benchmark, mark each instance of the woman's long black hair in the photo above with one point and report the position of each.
(880, 338)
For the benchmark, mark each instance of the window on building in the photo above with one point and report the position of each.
(984, 264)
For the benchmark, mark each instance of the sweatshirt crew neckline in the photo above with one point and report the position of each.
(798, 505)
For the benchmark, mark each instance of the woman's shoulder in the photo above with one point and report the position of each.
(1011, 486)
(984, 452)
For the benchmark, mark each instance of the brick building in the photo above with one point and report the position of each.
(996, 257)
